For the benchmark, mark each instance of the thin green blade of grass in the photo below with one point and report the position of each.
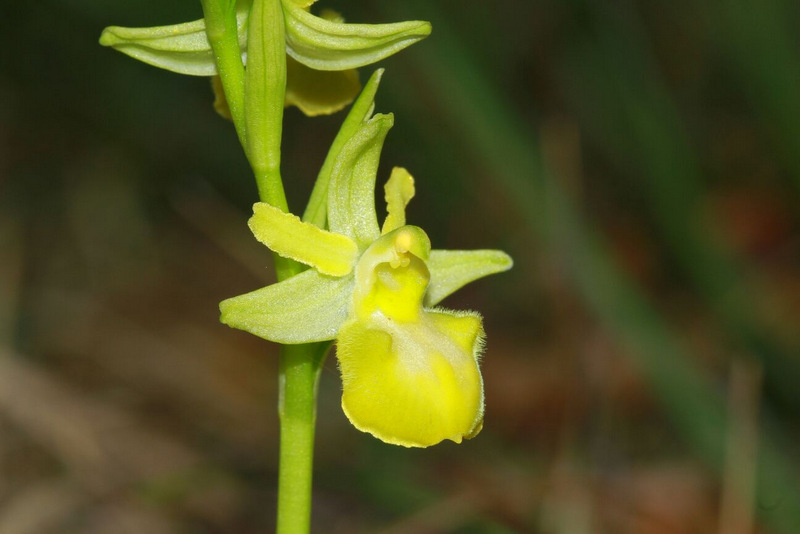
(755, 37)
(638, 124)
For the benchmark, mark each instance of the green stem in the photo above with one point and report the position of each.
(299, 373)
(223, 35)
(264, 87)
(256, 98)
(265, 94)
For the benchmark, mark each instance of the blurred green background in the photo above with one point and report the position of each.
(639, 160)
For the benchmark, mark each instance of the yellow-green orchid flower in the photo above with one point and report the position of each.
(410, 370)
(322, 51)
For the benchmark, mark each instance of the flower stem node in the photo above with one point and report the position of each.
(410, 370)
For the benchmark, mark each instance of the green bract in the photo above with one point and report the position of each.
(409, 370)
(315, 45)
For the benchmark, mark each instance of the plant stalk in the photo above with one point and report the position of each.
(256, 98)
(223, 35)
(299, 374)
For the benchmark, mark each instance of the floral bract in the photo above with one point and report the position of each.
(410, 370)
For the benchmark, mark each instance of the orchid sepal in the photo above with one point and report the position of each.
(453, 269)
(323, 51)
(181, 48)
(331, 45)
(305, 308)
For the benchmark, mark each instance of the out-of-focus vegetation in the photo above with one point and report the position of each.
(640, 161)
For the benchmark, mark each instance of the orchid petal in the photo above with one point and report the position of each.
(399, 190)
(284, 233)
(413, 384)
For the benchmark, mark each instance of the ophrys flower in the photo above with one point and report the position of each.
(410, 370)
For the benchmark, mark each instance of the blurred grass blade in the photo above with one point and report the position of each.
(634, 119)
(756, 38)
(498, 139)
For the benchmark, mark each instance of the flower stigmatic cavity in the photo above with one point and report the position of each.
(410, 370)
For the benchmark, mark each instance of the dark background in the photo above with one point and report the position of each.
(639, 160)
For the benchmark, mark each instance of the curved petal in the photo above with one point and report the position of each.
(318, 92)
(329, 45)
(413, 384)
(351, 194)
(284, 233)
(304, 308)
(453, 269)
(398, 192)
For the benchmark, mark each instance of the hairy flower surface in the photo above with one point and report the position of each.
(410, 370)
